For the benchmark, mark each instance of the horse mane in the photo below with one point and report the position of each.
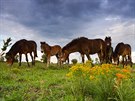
(73, 42)
(118, 46)
(46, 44)
(128, 45)
(14, 49)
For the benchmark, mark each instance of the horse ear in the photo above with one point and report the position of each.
(105, 37)
(110, 38)
(42, 42)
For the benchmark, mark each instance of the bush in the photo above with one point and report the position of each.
(74, 61)
(101, 83)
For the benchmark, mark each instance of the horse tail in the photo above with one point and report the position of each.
(35, 51)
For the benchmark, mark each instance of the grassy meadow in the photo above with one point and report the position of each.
(39, 83)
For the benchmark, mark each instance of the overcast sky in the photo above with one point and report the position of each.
(60, 21)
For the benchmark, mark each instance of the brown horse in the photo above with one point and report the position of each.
(50, 51)
(22, 47)
(124, 50)
(109, 49)
(84, 46)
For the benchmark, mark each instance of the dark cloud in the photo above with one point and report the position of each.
(63, 17)
(123, 8)
(60, 21)
(33, 13)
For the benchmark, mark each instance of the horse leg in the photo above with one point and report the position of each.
(118, 61)
(68, 60)
(27, 60)
(102, 54)
(35, 55)
(58, 59)
(123, 60)
(33, 62)
(88, 57)
(126, 60)
(20, 59)
(48, 61)
(130, 60)
(82, 55)
(99, 55)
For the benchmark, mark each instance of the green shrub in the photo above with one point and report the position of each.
(74, 61)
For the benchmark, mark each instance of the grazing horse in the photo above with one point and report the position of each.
(124, 50)
(22, 47)
(98, 46)
(84, 46)
(109, 49)
(50, 51)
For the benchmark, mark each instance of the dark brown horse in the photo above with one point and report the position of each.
(123, 50)
(109, 49)
(22, 47)
(50, 51)
(84, 46)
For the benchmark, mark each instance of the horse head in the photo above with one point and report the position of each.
(108, 41)
(42, 46)
(115, 58)
(9, 58)
(64, 55)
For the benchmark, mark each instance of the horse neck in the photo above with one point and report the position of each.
(71, 49)
(115, 53)
(47, 47)
(13, 51)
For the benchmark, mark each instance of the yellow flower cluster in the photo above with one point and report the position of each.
(98, 70)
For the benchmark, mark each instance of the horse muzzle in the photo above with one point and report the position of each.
(62, 59)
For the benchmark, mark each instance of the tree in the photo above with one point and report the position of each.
(74, 61)
(6, 43)
(44, 58)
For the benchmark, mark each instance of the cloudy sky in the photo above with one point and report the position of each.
(60, 21)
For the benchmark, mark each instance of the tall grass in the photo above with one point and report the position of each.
(100, 83)
(41, 83)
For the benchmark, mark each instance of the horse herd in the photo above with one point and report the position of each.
(82, 45)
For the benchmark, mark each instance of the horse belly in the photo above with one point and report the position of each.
(94, 50)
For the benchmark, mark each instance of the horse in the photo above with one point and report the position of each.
(22, 46)
(124, 50)
(84, 46)
(109, 49)
(98, 46)
(50, 51)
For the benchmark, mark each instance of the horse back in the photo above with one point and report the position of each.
(123, 49)
(127, 49)
(55, 50)
(96, 45)
(32, 45)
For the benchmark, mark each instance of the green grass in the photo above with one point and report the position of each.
(37, 83)
(34, 83)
